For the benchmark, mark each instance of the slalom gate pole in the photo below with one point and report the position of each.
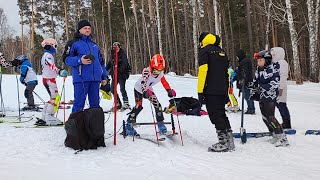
(64, 98)
(175, 104)
(115, 95)
(155, 124)
(243, 134)
(18, 98)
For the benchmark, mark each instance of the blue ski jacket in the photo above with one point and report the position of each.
(95, 71)
(28, 75)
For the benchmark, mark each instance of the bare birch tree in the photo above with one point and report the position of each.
(294, 43)
(195, 35)
(159, 27)
(313, 37)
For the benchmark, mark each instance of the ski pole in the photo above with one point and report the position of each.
(154, 122)
(243, 134)
(64, 98)
(62, 91)
(39, 97)
(18, 98)
(175, 104)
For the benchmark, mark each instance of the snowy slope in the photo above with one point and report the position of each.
(28, 153)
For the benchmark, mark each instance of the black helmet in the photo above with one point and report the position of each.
(264, 54)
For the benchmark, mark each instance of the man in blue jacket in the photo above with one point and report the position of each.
(88, 69)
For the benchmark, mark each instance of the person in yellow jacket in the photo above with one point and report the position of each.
(213, 88)
(232, 105)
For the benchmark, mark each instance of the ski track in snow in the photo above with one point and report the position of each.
(30, 153)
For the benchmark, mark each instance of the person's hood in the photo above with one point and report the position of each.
(210, 39)
(240, 54)
(277, 53)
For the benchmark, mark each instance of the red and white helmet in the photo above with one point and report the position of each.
(49, 41)
(157, 62)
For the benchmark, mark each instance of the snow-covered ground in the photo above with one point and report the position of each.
(29, 153)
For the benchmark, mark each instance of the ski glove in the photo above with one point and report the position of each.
(63, 73)
(201, 98)
(171, 93)
(147, 93)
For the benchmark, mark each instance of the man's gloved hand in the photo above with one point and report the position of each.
(147, 93)
(63, 73)
(171, 93)
(201, 98)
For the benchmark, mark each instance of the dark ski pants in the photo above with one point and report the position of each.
(28, 94)
(284, 111)
(154, 101)
(122, 83)
(216, 109)
(250, 103)
(84, 89)
(267, 110)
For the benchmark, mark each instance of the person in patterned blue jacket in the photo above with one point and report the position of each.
(28, 78)
(88, 69)
(265, 89)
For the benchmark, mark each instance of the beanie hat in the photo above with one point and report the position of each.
(83, 23)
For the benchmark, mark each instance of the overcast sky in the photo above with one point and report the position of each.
(11, 9)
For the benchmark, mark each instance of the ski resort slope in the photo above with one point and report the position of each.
(40, 154)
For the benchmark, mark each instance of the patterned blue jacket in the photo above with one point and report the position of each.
(266, 84)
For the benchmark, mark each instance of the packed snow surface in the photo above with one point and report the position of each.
(40, 154)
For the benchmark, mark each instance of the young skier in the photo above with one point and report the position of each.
(265, 89)
(49, 75)
(143, 89)
(28, 78)
(232, 105)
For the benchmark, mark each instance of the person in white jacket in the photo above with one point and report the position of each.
(49, 75)
(278, 55)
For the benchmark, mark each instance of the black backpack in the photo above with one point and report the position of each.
(187, 105)
(85, 129)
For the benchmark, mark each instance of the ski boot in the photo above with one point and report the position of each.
(282, 140)
(252, 112)
(130, 131)
(274, 139)
(125, 106)
(162, 128)
(119, 106)
(30, 108)
(222, 145)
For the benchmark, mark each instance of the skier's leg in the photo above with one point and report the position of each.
(28, 93)
(250, 103)
(122, 83)
(133, 114)
(285, 114)
(159, 113)
(215, 107)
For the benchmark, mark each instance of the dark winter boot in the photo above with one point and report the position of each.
(286, 124)
(119, 106)
(231, 145)
(222, 145)
(30, 108)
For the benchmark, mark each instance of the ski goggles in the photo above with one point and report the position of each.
(156, 71)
